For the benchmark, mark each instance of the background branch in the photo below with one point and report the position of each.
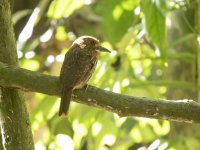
(177, 110)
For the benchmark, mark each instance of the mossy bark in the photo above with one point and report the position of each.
(14, 120)
(124, 105)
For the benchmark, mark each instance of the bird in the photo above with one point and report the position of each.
(79, 64)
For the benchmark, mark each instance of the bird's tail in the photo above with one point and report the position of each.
(65, 101)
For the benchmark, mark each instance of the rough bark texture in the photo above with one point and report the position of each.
(14, 120)
(181, 110)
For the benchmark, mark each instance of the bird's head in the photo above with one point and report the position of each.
(89, 44)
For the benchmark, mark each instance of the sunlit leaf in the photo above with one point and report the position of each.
(63, 8)
(155, 16)
(117, 18)
(61, 125)
(30, 64)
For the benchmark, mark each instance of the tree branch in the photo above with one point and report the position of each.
(14, 120)
(177, 110)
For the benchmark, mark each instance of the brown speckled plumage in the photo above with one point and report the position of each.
(78, 66)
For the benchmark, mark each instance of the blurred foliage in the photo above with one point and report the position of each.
(135, 31)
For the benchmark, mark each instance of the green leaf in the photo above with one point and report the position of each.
(129, 124)
(44, 108)
(61, 125)
(117, 17)
(155, 16)
(61, 8)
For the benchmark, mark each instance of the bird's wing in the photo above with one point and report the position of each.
(77, 69)
(89, 69)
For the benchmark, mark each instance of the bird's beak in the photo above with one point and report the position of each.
(102, 49)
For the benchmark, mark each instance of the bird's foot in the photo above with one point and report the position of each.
(85, 87)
